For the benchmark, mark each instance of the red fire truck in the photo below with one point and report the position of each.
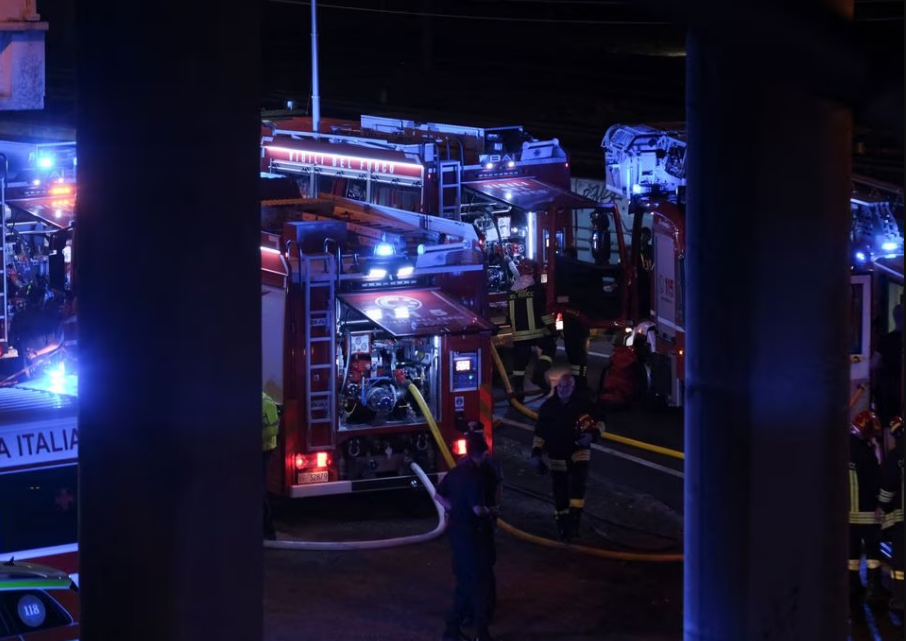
(512, 188)
(646, 177)
(371, 332)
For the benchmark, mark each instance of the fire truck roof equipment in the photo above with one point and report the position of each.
(416, 312)
(530, 195)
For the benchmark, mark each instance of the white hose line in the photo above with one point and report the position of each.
(373, 545)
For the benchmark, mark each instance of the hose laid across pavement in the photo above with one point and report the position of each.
(525, 536)
(375, 544)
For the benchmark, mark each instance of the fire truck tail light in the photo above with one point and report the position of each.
(459, 447)
(299, 461)
(321, 459)
(559, 323)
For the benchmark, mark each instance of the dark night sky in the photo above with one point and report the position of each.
(560, 67)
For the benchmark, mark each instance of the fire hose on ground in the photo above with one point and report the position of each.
(525, 536)
(532, 414)
(374, 544)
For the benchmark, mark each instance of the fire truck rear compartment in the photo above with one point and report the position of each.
(377, 369)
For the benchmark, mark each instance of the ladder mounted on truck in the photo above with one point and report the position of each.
(4, 259)
(450, 181)
(319, 280)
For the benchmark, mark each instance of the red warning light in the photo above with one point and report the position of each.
(459, 447)
(299, 461)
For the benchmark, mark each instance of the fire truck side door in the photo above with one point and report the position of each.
(860, 341)
(666, 296)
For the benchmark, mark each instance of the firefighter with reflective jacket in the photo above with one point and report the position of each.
(890, 511)
(565, 431)
(864, 531)
(532, 326)
(270, 427)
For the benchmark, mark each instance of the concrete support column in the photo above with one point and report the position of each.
(767, 367)
(169, 310)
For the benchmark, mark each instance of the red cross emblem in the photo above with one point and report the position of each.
(64, 499)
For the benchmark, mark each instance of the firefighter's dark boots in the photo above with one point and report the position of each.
(562, 527)
(856, 592)
(518, 382)
(580, 375)
(575, 517)
(896, 598)
(877, 595)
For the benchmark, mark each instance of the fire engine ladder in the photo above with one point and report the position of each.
(4, 289)
(449, 178)
(319, 281)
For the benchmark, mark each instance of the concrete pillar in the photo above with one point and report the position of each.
(767, 367)
(169, 310)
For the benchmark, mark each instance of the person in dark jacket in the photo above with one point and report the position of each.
(864, 530)
(464, 494)
(533, 326)
(890, 512)
(565, 430)
(493, 474)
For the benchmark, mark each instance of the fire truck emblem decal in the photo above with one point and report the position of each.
(397, 301)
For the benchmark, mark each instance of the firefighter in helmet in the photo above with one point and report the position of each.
(864, 530)
(532, 326)
(890, 511)
(565, 430)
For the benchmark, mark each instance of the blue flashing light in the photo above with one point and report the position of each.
(45, 162)
(860, 256)
(57, 381)
(888, 246)
(637, 189)
(384, 249)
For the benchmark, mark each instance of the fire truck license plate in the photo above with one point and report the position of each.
(304, 478)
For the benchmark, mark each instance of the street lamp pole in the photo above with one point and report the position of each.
(315, 89)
